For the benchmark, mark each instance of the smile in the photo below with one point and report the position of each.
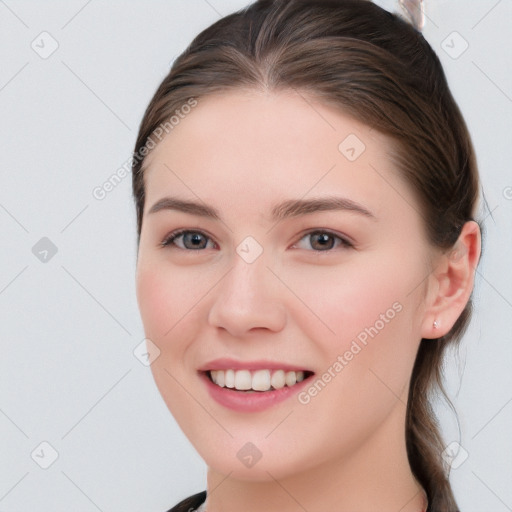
(256, 380)
(250, 387)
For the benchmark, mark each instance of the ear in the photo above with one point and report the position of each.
(451, 283)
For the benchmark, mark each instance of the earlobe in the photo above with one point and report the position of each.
(452, 283)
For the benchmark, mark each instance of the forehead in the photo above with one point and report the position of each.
(259, 144)
(251, 119)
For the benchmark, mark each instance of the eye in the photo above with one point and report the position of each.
(320, 241)
(323, 241)
(187, 240)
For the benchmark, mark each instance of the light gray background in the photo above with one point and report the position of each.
(69, 326)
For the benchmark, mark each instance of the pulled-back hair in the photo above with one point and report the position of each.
(377, 68)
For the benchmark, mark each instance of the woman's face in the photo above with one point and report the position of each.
(304, 255)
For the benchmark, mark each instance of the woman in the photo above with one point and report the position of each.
(305, 189)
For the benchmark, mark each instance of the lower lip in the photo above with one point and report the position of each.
(256, 401)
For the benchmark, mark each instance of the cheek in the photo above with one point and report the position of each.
(365, 313)
(156, 301)
(167, 312)
(368, 359)
(345, 300)
(166, 298)
(168, 308)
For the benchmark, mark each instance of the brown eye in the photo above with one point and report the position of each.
(322, 241)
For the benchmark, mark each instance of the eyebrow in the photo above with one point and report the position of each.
(281, 211)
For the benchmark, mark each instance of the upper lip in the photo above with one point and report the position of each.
(233, 364)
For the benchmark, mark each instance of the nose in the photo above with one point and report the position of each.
(247, 299)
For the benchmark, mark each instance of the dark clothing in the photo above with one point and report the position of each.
(190, 504)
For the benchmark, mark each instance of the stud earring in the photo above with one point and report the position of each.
(436, 324)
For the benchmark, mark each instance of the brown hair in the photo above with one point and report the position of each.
(379, 69)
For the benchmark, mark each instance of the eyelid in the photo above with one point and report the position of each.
(170, 237)
(346, 242)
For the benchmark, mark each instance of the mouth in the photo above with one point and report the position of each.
(257, 381)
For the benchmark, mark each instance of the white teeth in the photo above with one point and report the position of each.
(229, 378)
(278, 381)
(290, 378)
(258, 380)
(243, 380)
(261, 380)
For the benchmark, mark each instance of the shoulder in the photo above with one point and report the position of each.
(190, 504)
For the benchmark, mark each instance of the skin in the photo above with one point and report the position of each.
(242, 152)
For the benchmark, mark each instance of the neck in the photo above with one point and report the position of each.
(375, 476)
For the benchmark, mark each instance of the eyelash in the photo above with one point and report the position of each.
(169, 240)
